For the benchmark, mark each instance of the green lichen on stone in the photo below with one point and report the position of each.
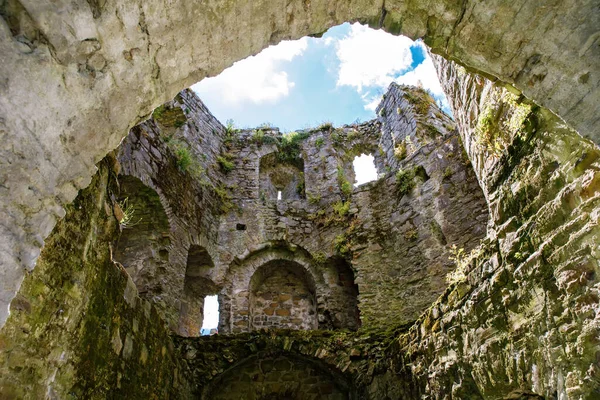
(225, 162)
(170, 116)
(405, 180)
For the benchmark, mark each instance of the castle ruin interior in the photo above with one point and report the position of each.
(469, 269)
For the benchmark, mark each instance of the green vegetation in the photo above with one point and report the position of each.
(230, 128)
(342, 245)
(411, 234)
(345, 186)
(459, 256)
(226, 162)
(341, 208)
(127, 213)
(170, 116)
(447, 172)
(405, 180)
(319, 142)
(289, 146)
(500, 121)
(225, 198)
(400, 151)
(320, 258)
(184, 159)
(420, 100)
(258, 136)
(325, 126)
(300, 185)
(314, 199)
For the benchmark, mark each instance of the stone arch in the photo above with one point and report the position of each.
(279, 375)
(331, 281)
(235, 313)
(286, 177)
(282, 295)
(144, 243)
(196, 286)
(87, 77)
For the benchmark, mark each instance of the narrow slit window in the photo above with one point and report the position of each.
(210, 322)
(364, 169)
(279, 195)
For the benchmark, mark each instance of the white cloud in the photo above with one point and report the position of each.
(371, 57)
(371, 102)
(424, 74)
(256, 79)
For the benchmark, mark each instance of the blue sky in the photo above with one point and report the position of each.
(299, 84)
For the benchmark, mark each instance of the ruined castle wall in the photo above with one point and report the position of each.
(78, 328)
(396, 236)
(175, 154)
(521, 316)
(78, 75)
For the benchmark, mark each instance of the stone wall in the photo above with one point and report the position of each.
(78, 75)
(282, 296)
(78, 328)
(386, 242)
(521, 316)
(519, 319)
(266, 376)
(175, 154)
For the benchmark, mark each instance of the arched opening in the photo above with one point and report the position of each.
(210, 321)
(341, 310)
(144, 243)
(279, 375)
(197, 287)
(364, 169)
(282, 295)
(281, 178)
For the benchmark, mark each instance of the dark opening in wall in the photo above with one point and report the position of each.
(277, 375)
(240, 227)
(281, 180)
(196, 287)
(144, 243)
(282, 295)
(341, 309)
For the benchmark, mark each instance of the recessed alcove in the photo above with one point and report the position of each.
(281, 179)
(144, 242)
(282, 295)
(196, 287)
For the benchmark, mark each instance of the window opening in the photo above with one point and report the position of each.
(279, 195)
(210, 322)
(364, 169)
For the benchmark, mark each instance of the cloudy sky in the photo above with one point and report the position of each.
(338, 78)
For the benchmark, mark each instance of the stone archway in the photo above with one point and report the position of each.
(196, 286)
(279, 375)
(143, 245)
(69, 72)
(282, 295)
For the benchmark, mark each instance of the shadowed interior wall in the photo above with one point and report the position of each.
(196, 287)
(280, 377)
(144, 241)
(282, 296)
